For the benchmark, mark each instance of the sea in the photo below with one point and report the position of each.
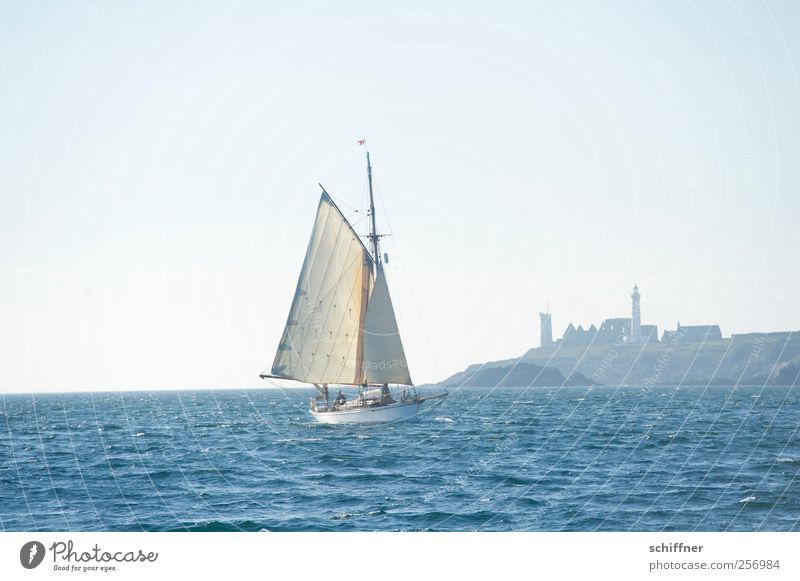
(707, 458)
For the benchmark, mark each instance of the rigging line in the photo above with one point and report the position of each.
(391, 233)
(383, 206)
(402, 267)
(325, 294)
(363, 215)
(362, 202)
(431, 410)
(359, 221)
(320, 232)
(340, 201)
(421, 319)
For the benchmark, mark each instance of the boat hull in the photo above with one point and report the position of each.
(396, 412)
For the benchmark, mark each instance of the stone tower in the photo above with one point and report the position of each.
(636, 314)
(545, 330)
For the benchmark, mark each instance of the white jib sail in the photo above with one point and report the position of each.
(323, 338)
(384, 358)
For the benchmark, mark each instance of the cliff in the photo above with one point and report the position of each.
(515, 374)
(753, 359)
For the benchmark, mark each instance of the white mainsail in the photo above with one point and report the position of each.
(323, 338)
(384, 358)
(341, 326)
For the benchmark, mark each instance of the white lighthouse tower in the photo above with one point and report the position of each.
(545, 329)
(636, 319)
(636, 313)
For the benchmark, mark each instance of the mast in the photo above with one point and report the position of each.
(341, 327)
(373, 234)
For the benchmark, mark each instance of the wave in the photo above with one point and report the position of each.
(357, 514)
(644, 462)
(215, 526)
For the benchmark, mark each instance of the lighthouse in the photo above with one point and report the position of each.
(545, 329)
(636, 315)
(635, 334)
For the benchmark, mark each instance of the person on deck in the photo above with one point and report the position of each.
(325, 392)
(340, 399)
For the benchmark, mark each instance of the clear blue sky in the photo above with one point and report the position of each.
(159, 162)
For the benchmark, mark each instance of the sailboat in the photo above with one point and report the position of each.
(342, 331)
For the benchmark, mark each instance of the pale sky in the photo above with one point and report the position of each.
(159, 166)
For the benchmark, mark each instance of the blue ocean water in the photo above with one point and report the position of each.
(554, 459)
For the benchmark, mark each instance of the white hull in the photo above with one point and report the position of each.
(396, 412)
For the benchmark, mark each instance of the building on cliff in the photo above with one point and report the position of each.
(616, 330)
(692, 334)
